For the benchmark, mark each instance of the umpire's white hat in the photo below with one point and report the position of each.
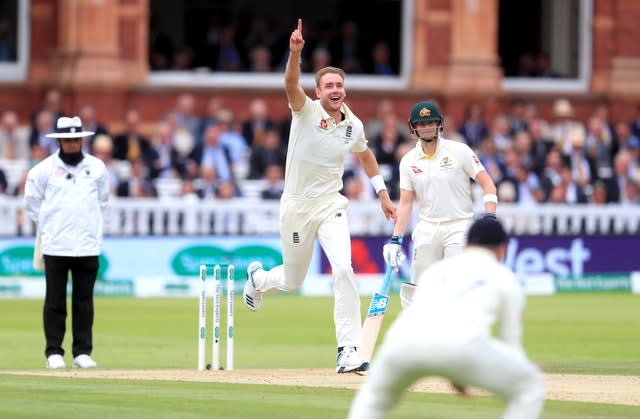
(69, 128)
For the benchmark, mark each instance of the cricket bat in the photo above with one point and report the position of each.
(375, 315)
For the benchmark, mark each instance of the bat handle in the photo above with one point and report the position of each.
(387, 279)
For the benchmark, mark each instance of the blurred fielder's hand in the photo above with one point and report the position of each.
(392, 253)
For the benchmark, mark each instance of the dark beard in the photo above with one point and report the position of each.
(72, 159)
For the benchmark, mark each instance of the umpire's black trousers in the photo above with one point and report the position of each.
(84, 271)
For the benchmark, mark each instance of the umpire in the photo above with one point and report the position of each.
(65, 196)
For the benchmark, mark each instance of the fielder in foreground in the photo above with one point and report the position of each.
(446, 332)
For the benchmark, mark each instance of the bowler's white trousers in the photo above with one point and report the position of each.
(410, 352)
(301, 222)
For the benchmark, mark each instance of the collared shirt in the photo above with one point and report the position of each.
(216, 157)
(441, 182)
(14, 145)
(467, 294)
(317, 148)
(66, 203)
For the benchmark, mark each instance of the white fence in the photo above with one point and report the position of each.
(160, 217)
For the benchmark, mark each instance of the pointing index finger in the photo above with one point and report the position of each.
(300, 26)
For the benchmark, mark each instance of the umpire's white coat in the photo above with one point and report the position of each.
(446, 332)
(66, 203)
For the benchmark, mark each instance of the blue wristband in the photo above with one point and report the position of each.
(396, 240)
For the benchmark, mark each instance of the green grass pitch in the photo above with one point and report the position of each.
(570, 333)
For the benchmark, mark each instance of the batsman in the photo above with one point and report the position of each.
(437, 174)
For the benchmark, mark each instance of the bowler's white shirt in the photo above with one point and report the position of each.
(66, 203)
(441, 181)
(317, 148)
(467, 294)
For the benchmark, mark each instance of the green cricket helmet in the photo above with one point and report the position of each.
(425, 111)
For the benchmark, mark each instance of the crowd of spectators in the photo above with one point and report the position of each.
(262, 45)
(211, 154)
(563, 160)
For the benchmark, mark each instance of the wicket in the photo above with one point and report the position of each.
(202, 317)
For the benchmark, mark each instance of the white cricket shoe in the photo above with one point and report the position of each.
(252, 297)
(55, 362)
(83, 361)
(349, 361)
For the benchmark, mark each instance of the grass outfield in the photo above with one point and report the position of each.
(576, 333)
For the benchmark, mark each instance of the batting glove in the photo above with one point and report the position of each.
(392, 253)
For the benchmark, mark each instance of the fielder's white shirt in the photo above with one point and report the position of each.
(467, 294)
(66, 203)
(317, 148)
(441, 182)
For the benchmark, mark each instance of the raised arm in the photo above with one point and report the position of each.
(295, 93)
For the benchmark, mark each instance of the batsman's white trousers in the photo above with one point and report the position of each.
(407, 355)
(435, 241)
(301, 222)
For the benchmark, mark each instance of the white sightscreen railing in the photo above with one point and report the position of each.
(159, 217)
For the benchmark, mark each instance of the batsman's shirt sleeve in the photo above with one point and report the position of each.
(471, 163)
